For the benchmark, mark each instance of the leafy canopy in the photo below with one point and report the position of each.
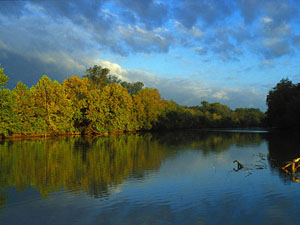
(3, 78)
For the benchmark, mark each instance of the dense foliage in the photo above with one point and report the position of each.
(284, 105)
(208, 115)
(101, 103)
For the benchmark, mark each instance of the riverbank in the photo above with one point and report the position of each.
(42, 136)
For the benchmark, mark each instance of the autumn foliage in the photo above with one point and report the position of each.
(99, 103)
(94, 104)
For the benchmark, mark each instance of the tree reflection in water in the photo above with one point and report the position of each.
(284, 148)
(94, 165)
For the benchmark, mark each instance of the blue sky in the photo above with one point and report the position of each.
(232, 52)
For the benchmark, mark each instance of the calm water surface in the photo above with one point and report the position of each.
(171, 178)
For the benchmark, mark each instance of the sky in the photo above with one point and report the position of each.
(227, 51)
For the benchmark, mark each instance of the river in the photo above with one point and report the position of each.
(185, 177)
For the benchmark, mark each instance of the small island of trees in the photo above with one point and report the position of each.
(99, 103)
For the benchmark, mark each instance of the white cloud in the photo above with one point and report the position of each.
(267, 19)
(221, 95)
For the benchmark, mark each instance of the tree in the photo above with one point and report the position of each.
(77, 91)
(284, 105)
(132, 88)
(248, 117)
(278, 101)
(109, 109)
(137, 113)
(3, 77)
(53, 110)
(216, 114)
(153, 107)
(98, 76)
(24, 109)
(175, 116)
(7, 103)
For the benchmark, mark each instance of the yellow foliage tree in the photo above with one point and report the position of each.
(152, 107)
(52, 108)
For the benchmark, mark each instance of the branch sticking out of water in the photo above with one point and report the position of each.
(293, 164)
(239, 165)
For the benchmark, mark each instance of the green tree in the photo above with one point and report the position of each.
(278, 100)
(52, 108)
(3, 77)
(175, 116)
(132, 88)
(137, 113)
(109, 109)
(153, 107)
(98, 76)
(77, 91)
(7, 103)
(284, 105)
(24, 109)
(248, 117)
(216, 114)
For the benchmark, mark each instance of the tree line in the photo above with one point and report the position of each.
(208, 115)
(99, 103)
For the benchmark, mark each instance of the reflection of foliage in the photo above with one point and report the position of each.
(49, 165)
(3, 199)
(207, 141)
(283, 147)
(94, 165)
